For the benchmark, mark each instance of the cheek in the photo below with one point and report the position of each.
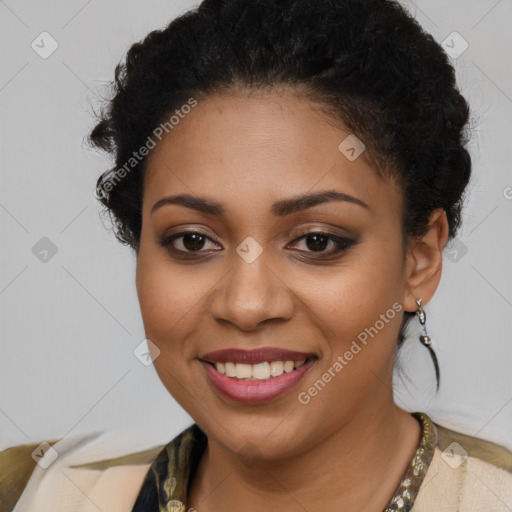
(359, 346)
(168, 299)
(358, 313)
(360, 301)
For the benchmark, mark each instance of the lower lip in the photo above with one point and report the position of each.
(255, 391)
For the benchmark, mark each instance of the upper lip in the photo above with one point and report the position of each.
(254, 356)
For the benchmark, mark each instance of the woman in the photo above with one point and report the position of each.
(288, 174)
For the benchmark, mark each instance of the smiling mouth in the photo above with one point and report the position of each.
(256, 376)
(260, 371)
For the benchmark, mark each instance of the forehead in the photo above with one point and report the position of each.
(254, 150)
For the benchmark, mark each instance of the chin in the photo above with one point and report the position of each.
(258, 436)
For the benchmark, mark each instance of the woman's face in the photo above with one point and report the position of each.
(251, 279)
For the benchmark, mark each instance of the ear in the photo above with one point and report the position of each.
(424, 261)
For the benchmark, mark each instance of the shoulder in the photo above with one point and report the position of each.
(466, 474)
(16, 466)
(475, 447)
(53, 475)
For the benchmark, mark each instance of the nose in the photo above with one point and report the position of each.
(251, 294)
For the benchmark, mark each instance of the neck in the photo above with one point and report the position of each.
(358, 467)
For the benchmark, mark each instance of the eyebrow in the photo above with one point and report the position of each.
(279, 208)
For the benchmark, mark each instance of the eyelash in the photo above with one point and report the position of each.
(341, 243)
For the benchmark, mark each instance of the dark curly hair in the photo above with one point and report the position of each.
(368, 63)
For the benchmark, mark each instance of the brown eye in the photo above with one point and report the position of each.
(187, 241)
(318, 242)
(193, 241)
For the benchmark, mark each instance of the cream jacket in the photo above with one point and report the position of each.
(453, 482)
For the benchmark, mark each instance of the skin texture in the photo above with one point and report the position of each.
(350, 444)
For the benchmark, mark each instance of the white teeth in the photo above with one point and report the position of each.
(276, 368)
(259, 371)
(230, 369)
(243, 371)
(288, 366)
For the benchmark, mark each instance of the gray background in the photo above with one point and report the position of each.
(70, 324)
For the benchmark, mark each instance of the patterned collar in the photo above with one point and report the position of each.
(166, 484)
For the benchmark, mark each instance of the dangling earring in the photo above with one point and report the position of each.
(425, 339)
